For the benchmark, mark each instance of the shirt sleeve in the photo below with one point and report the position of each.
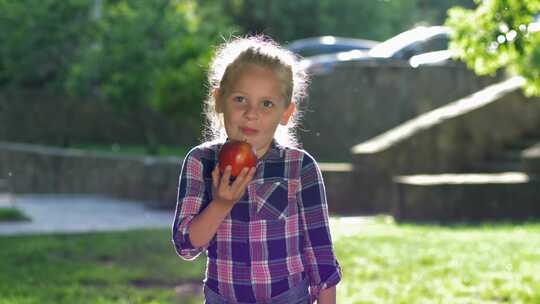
(323, 268)
(190, 200)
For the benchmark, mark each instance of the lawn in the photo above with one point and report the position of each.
(382, 262)
(387, 263)
(121, 267)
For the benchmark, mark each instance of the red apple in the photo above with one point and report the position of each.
(237, 154)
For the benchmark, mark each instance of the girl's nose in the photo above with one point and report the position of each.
(251, 112)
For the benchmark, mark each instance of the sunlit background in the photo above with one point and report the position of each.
(423, 115)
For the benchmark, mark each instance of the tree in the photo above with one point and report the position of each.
(286, 20)
(151, 55)
(499, 34)
(39, 42)
(435, 11)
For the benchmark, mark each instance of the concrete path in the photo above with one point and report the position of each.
(81, 213)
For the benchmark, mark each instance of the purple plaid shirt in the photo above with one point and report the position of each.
(277, 233)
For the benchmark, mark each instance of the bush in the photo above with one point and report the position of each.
(151, 55)
(39, 41)
(12, 214)
(499, 34)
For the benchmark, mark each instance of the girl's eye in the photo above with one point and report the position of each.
(268, 104)
(239, 99)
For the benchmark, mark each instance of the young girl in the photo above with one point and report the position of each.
(265, 233)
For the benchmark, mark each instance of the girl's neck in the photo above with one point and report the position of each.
(261, 152)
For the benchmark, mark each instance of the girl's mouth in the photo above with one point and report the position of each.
(248, 131)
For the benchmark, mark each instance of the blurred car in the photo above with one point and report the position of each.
(328, 44)
(431, 58)
(413, 42)
(401, 47)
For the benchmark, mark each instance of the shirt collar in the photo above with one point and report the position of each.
(275, 151)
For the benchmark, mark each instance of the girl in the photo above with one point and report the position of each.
(266, 233)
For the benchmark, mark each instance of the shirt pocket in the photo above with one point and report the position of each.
(270, 198)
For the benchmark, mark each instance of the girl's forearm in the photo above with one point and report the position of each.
(204, 226)
(327, 296)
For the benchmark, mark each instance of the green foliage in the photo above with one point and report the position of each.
(374, 19)
(40, 40)
(146, 56)
(499, 34)
(138, 56)
(435, 11)
(150, 53)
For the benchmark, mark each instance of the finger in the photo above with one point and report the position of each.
(225, 178)
(249, 177)
(215, 176)
(237, 186)
(239, 179)
(251, 173)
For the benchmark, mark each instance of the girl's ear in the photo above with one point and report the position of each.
(287, 114)
(218, 102)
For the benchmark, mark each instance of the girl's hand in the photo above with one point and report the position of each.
(226, 193)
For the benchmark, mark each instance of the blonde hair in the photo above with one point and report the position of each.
(228, 60)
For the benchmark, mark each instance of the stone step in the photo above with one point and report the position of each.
(338, 180)
(466, 197)
(495, 166)
(534, 133)
(511, 159)
(523, 143)
(531, 159)
(507, 155)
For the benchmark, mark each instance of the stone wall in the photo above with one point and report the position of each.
(359, 101)
(39, 169)
(153, 180)
(446, 140)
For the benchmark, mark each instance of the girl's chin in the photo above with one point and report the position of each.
(244, 137)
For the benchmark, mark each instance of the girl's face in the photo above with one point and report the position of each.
(254, 106)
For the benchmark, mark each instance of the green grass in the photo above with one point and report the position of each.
(10, 214)
(382, 262)
(122, 267)
(387, 263)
